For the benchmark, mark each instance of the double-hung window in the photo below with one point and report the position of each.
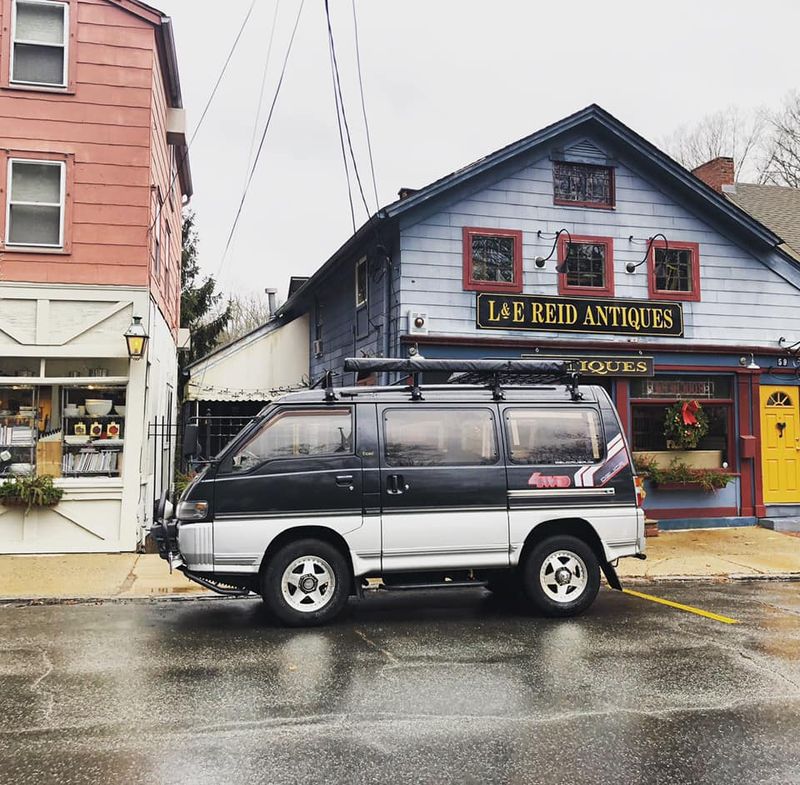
(36, 194)
(39, 45)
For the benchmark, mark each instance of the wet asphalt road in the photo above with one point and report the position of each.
(423, 688)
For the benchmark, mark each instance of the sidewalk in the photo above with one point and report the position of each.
(710, 554)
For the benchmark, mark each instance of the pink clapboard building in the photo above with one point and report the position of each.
(93, 175)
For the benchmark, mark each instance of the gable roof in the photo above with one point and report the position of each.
(594, 121)
(776, 206)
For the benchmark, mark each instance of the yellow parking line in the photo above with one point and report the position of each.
(687, 608)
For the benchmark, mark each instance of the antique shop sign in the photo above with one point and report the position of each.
(605, 365)
(578, 314)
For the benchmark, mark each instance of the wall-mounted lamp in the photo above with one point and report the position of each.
(631, 266)
(540, 261)
(136, 337)
(752, 365)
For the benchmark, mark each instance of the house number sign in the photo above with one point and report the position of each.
(578, 314)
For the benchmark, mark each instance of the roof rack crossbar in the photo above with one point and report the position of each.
(487, 373)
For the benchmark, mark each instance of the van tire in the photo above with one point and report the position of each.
(311, 602)
(561, 576)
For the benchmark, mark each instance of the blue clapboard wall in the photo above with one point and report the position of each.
(748, 298)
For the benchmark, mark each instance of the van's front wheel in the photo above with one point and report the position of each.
(306, 583)
(561, 576)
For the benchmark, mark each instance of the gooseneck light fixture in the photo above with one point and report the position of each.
(540, 261)
(136, 337)
(631, 266)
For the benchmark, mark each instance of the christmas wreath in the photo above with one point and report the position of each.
(685, 424)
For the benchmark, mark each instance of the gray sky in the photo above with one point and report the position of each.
(446, 81)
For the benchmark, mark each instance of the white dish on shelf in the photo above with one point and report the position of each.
(119, 409)
(98, 407)
(21, 468)
(76, 439)
(71, 411)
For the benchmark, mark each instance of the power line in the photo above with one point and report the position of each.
(364, 108)
(341, 140)
(344, 113)
(263, 138)
(263, 83)
(205, 112)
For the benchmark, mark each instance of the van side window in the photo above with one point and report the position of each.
(439, 437)
(553, 436)
(297, 433)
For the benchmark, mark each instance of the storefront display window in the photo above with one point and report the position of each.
(62, 431)
(651, 399)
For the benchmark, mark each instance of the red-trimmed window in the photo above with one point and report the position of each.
(674, 274)
(588, 264)
(583, 185)
(492, 260)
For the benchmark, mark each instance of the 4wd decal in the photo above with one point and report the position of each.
(539, 480)
(599, 475)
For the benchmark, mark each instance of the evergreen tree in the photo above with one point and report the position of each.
(201, 309)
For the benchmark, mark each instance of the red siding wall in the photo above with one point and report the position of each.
(111, 122)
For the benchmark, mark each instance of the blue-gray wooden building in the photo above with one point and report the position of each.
(663, 286)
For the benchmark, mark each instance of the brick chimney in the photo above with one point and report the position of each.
(716, 172)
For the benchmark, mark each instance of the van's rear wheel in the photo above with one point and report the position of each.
(306, 583)
(561, 576)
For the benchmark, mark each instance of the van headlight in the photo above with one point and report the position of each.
(192, 511)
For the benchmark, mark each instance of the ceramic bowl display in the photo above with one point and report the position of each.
(98, 407)
(70, 411)
(119, 409)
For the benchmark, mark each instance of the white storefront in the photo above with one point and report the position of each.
(75, 406)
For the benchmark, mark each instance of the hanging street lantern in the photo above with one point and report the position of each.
(136, 337)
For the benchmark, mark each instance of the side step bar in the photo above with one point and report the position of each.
(225, 591)
(424, 586)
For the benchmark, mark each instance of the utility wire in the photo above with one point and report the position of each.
(364, 108)
(263, 84)
(344, 113)
(341, 140)
(261, 143)
(205, 112)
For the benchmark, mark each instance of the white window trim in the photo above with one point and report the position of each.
(359, 263)
(61, 204)
(65, 45)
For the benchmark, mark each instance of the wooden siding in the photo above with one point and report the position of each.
(165, 282)
(743, 301)
(113, 126)
(339, 319)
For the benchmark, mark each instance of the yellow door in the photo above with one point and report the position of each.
(780, 444)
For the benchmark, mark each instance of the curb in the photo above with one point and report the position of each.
(739, 577)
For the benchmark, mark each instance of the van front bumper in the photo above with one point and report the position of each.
(165, 535)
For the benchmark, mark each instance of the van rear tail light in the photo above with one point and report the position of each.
(638, 483)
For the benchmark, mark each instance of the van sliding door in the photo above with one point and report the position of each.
(443, 487)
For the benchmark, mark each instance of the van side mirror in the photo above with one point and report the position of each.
(191, 441)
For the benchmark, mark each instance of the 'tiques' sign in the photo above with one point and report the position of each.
(578, 314)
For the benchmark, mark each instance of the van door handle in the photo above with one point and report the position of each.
(395, 485)
(345, 481)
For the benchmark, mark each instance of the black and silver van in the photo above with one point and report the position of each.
(511, 475)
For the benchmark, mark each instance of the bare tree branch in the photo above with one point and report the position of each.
(730, 132)
(781, 158)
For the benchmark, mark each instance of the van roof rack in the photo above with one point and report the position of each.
(493, 373)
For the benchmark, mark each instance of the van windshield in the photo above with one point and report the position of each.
(553, 436)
